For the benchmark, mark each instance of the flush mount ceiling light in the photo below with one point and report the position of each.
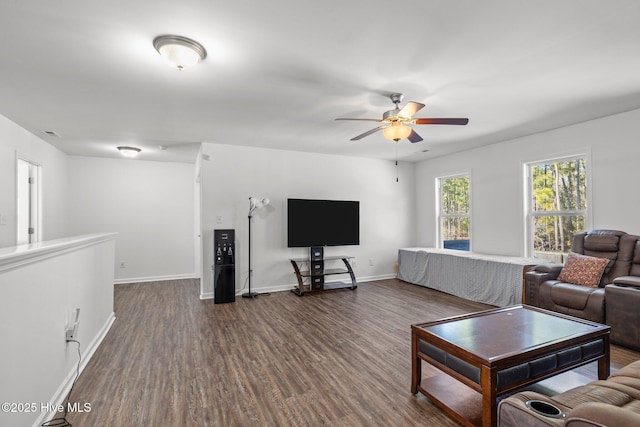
(129, 151)
(179, 51)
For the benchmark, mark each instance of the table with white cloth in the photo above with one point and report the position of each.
(491, 279)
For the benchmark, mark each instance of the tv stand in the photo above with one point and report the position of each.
(315, 281)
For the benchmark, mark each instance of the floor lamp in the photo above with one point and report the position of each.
(254, 204)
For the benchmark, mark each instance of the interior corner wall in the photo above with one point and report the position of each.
(149, 204)
(232, 174)
(16, 140)
(497, 205)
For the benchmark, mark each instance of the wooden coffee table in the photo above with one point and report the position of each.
(487, 354)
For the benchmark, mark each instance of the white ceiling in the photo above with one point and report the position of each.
(279, 72)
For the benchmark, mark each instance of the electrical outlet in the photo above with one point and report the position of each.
(371, 262)
(123, 264)
(71, 328)
(352, 261)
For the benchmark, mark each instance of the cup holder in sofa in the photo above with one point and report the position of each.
(544, 408)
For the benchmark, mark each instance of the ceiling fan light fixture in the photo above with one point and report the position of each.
(129, 151)
(395, 121)
(180, 52)
(396, 132)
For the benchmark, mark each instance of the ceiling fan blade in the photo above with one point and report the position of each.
(366, 120)
(410, 109)
(368, 133)
(414, 137)
(440, 121)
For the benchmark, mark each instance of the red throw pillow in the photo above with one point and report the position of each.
(583, 270)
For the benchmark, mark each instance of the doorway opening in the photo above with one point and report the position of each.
(28, 216)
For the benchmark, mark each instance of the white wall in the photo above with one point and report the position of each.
(497, 181)
(14, 139)
(41, 285)
(233, 174)
(149, 204)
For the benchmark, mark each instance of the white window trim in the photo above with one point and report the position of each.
(438, 237)
(528, 197)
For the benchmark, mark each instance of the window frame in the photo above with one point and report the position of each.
(529, 214)
(438, 207)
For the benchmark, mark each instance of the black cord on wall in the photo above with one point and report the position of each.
(62, 421)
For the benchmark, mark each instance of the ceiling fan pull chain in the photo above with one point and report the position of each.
(397, 161)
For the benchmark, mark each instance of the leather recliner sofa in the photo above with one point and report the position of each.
(614, 402)
(616, 300)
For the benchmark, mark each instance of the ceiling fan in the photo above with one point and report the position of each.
(395, 122)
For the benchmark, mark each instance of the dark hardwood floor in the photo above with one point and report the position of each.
(338, 358)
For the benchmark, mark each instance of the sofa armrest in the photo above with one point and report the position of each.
(627, 281)
(622, 314)
(535, 277)
(513, 411)
(601, 414)
(553, 270)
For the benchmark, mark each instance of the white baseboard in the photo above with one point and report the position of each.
(267, 289)
(154, 278)
(60, 395)
(282, 288)
(374, 278)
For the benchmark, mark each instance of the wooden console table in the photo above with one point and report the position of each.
(313, 281)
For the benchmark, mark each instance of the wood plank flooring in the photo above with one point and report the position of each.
(338, 358)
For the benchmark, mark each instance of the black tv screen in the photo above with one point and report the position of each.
(322, 223)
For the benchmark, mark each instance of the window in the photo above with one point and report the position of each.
(454, 219)
(557, 206)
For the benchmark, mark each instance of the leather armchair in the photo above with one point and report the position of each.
(614, 302)
(623, 305)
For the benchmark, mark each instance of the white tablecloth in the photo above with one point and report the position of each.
(491, 279)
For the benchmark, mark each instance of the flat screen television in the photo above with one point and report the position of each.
(322, 223)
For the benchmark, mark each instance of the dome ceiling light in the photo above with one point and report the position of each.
(129, 151)
(180, 52)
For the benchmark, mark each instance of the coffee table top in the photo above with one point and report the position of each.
(500, 333)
